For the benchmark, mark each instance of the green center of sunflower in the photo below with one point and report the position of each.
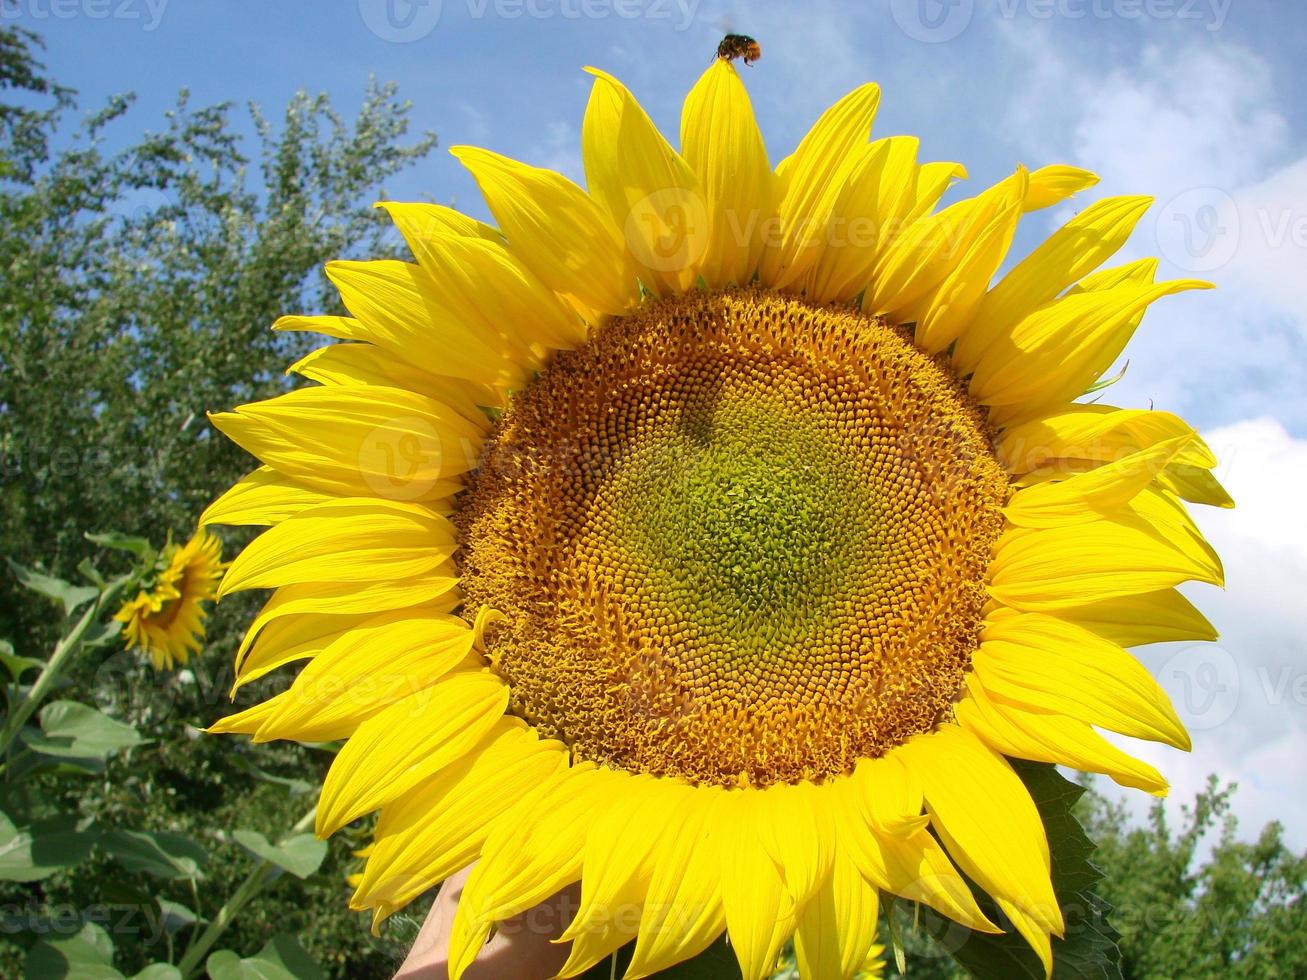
(735, 538)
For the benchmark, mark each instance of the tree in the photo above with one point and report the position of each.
(138, 289)
(1238, 912)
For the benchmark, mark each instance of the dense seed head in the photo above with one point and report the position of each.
(735, 538)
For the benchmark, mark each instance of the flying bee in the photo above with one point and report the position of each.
(739, 46)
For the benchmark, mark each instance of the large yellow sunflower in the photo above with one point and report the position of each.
(709, 536)
(167, 620)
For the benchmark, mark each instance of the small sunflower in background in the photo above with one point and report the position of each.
(712, 535)
(167, 619)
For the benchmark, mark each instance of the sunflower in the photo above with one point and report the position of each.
(712, 535)
(167, 621)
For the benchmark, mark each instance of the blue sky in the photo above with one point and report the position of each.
(1197, 102)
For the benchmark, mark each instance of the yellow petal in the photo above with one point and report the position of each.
(683, 908)
(400, 307)
(556, 230)
(837, 929)
(1024, 732)
(531, 852)
(759, 913)
(906, 860)
(1073, 251)
(419, 221)
(263, 497)
(651, 194)
(1088, 496)
(721, 144)
(809, 183)
(914, 265)
(621, 852)
(1099, 433)
(1054, 184)
(1057, 352)
(373, 442)
(367, 364)
(933, 179)
(408, 742)
(1050, 664)
(245, 722)
(438, 827)
(367, 666)
(1195, 484)
(986, 819)
(951, 307)
(351, 540)
(872, 208)
(340, 327)
(286, 640)
(437, 589)
(1170, 520)
(1034, 930)
(1164, 616)
(536, 848)
(796, 831)
(488, 288)
(891, 795)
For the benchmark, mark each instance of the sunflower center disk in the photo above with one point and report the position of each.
(736, 539)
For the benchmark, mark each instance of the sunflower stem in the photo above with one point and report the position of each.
(64, 651)
(251, 886)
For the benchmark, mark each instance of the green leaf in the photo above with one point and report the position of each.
(296, 787)
(16, 665)
(40, 850)
(101, 633)
(87, 955)
(166, 855)
(68, 595)
(72, 730)
(283, 958)
(175, 916)
(1089, 951)
(140, 547)
(716, 962)
(91, 573)
(301, 855)
(159, 971)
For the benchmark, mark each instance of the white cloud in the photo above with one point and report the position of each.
(1201, 128)
(1245, 698)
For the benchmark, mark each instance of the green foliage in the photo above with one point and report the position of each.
(1238, 910)
(137, 293)
(138, 287)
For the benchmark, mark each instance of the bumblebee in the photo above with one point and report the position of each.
(739, 46)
